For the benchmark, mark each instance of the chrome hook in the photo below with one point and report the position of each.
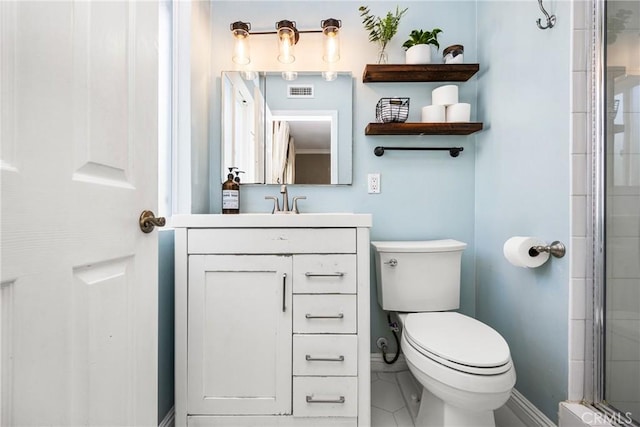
(551, 19)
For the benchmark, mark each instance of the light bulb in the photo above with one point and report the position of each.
(241, 43)
(331, 42)
(287, 39)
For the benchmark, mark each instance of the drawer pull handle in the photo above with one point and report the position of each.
(336, 274)
(337, 316)
(324, 359)
(310, 399)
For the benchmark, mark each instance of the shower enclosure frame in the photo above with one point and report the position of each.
(595, 351)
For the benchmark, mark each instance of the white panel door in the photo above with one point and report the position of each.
(239, 339)
(78, 295)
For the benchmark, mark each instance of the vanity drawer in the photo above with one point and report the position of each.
(324, 314)
(325, 355)
(325, 396)
(271, 240)
(324, 274)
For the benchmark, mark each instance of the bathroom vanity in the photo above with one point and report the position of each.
(272, 320)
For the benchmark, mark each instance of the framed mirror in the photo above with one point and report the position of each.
(287, 132)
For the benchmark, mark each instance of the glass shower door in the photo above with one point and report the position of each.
(622, 208)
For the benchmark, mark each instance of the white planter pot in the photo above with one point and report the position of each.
(418, 54)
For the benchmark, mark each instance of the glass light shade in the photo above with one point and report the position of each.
(241, 51)
(241, 43)
(249, 75)
(286, 43)
(331, 44)
(329, 75)
(289, 75)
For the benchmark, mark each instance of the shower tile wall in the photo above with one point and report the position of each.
(581, 236)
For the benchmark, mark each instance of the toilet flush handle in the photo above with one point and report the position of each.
(392, 262)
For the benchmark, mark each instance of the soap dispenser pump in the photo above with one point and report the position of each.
(230, 194)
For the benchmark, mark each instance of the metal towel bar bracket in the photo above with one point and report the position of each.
(556, 249)
(453, 151)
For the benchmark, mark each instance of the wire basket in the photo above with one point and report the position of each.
(392, 110)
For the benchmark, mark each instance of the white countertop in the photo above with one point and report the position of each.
(263, 220)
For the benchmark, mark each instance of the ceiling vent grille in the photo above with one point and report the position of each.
(300, 91)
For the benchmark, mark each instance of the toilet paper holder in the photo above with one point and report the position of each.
(556, 248)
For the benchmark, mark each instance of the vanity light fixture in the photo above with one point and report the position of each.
(288, 36)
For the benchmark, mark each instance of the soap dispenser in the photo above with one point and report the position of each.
(230, 194)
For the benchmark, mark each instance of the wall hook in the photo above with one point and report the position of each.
(551, 20)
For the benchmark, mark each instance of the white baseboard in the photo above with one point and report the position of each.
(527, 412)
(378, 365)
(169, 419)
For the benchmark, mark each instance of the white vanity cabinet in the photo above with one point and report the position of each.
(272, 320)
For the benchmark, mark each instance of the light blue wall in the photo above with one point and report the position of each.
(165, 322)
(522, 188)
(425, 195)
(511, 179)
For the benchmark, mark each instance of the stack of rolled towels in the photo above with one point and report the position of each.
(445, 106)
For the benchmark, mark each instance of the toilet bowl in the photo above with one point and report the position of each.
(463, 365)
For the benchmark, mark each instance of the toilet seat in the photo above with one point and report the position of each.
(458, 342)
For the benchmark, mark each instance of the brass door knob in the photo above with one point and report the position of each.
(148, 221)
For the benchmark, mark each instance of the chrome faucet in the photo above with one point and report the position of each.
(285, 202)
(285, 198)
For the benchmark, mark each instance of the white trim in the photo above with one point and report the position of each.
(527, 412)
(169, 419)
(181, 108)
(378, 365)
(576, 414)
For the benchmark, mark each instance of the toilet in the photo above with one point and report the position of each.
(463, 365)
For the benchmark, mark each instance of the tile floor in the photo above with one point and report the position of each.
(388, 408)
(390, 392)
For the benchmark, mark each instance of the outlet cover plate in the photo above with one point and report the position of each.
(373, 183)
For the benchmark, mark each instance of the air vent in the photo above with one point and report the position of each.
(300, 91)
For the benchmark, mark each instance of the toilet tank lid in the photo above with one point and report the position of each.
(445, 245)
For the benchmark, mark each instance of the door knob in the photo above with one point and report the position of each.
(148, 221)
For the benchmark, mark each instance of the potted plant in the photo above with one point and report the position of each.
(417, 46)
(381, 30)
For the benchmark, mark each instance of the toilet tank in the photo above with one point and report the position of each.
(416, 276)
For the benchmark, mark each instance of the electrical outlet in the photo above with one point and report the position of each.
(373, 180)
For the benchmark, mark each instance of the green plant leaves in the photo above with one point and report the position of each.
(381, 30)
(423, 37)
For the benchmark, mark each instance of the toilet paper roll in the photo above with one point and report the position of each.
(458, 112)
(445, 95)
(517, 252)
(433, 114)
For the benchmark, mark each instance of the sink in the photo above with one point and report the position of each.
(270, 220)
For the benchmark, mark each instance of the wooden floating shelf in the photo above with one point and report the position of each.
(418, 73)
(422, 128)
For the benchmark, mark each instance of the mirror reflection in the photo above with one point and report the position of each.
(291, 132)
